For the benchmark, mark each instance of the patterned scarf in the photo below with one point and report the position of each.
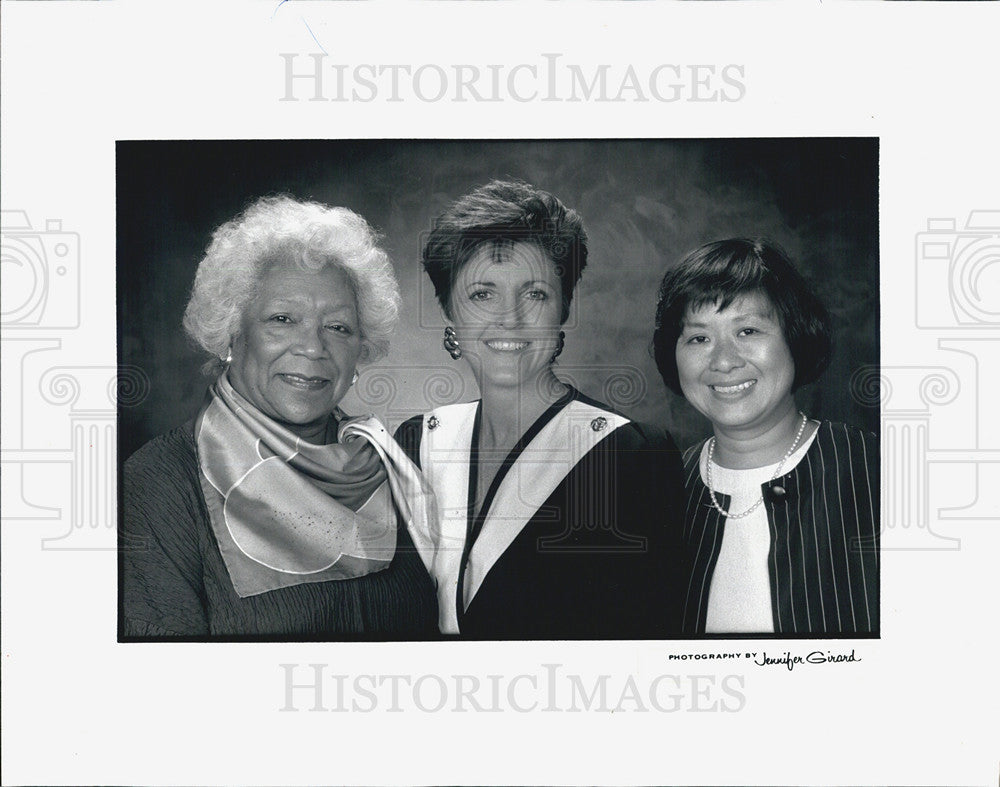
(286, 511)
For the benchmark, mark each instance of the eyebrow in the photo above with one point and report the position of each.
(738, 318)
(532, 283)
(285, 300)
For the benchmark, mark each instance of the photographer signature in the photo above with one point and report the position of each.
(815, 657)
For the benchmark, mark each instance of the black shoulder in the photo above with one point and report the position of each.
(163, 518)
(692, 454)
(408, 435)
(850, 431)
(837, 433)
(161, 481)
(644, 450)
(845, 441)
(581, 397)
(650, 436)
(175, 450)
(635, 435)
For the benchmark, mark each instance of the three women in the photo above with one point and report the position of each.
(536, 511)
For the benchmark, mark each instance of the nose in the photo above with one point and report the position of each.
(309, 340)
(725, 357)
(512, 312)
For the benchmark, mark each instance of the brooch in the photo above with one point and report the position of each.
(432, 422)
(599, 423)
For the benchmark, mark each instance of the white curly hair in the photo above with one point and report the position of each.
(308, 234)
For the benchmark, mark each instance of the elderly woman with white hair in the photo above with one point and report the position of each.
(272, 513)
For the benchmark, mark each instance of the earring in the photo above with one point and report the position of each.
(559, 347)
(451, 343)
(354, 379)
(229, 357)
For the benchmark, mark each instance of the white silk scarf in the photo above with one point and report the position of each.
(287, 512)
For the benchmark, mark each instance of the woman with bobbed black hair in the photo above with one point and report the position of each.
(560, 518)
(780, 509)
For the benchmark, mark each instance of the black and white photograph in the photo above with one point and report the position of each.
(499, 389)
(499, 392)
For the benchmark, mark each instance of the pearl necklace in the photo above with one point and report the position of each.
(777, 472)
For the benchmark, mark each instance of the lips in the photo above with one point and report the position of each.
(733, 388)
(304, 383)
(506, 345)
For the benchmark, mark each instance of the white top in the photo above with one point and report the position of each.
(739, 598)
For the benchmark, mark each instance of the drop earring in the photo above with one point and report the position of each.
(559, 347)
(451, 343)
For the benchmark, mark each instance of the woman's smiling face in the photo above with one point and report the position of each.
(298, 346)
(734, 364)
(506, 303)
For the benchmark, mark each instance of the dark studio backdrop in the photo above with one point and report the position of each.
(645, 203)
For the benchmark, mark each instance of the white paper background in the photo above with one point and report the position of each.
(79, 708)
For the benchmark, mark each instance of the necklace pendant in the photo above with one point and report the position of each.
(777, 492)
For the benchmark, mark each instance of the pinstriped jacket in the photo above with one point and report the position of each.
(823, 562)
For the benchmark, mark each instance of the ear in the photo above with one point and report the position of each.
(226, 356)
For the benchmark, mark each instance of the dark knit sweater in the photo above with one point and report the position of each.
(174, 582)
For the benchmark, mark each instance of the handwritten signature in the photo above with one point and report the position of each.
(815, 657)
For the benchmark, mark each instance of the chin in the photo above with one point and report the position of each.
(302, 417)
(516, 377)
(730, 418)
(739, 420)
(503, 381)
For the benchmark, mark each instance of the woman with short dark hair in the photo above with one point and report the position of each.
(781, 510)
(559, 517)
